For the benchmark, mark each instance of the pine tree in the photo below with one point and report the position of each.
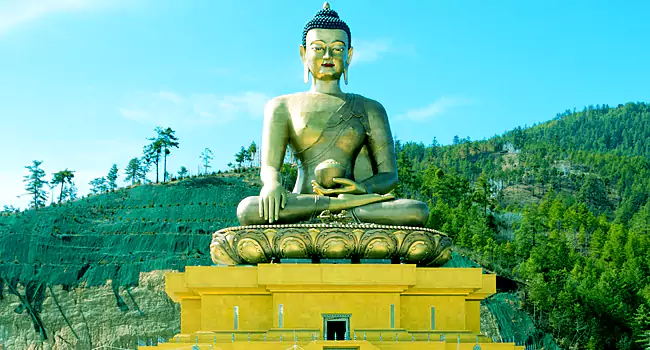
(35, 182)
(252, 151)
(63, 178)
(182, 172)
(241, 156)
(133, 171)
(71, 192)
(112, 177)
(8, 209)
(206, 157)
(99, 185)
(594, 195)
(483, 194)
(168, 140)
(151, 155)
(406, 175)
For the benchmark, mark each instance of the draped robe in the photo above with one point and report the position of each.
(346, 138)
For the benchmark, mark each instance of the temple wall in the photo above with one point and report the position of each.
(473, 315)
(379, 306)
(254, 312)
(449, 312)
(306, 292)
(190, 315)
(368, 310)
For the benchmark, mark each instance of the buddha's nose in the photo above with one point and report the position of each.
(327, 54)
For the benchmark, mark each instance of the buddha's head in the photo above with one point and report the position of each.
(326, 48)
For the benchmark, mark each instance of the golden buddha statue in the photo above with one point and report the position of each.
(339, 133)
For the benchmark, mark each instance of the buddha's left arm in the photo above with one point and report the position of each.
(381, 150)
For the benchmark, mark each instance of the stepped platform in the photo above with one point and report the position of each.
(330, 306)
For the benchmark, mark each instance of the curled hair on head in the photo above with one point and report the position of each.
(326, 18)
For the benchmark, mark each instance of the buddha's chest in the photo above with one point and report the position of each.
(326, 124)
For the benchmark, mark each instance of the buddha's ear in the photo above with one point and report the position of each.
(305, 67)
(350, 52)
(302, 53)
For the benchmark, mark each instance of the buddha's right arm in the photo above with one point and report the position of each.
(275, 138)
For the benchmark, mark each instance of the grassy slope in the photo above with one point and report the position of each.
(145, 228)
(116, 237)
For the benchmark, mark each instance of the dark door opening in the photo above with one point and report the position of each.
(336, 330)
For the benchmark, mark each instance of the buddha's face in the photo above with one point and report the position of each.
(327, 53)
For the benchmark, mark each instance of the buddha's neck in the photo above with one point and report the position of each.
(330, 87)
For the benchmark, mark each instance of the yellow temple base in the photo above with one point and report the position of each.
(330, 306)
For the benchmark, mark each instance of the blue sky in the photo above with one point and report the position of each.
(83, 83)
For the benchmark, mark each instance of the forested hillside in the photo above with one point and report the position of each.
(563, 207)
(89, 272)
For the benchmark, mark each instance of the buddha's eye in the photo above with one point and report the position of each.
(317, 48)
(338, 49)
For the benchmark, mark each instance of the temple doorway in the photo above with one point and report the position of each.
(336, 326)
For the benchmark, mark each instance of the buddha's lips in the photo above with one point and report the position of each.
(328, 64)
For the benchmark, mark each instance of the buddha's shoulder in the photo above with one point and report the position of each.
(286, 100)
(277, 102)
(372, 107)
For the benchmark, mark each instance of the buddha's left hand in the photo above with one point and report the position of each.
(348, 187)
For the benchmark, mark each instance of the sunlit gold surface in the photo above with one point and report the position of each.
(389, 307)
(271, 306)
(346, 171)
(325, 124)
(327, 171)
(261, 244)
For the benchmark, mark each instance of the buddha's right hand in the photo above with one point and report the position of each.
(273, 197)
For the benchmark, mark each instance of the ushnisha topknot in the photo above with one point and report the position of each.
(326, 18)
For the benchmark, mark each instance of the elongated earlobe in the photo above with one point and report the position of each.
(306, 74)
(347, 66)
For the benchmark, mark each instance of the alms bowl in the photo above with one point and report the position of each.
(327, 171)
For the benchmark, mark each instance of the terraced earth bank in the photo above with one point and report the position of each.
(90, 272)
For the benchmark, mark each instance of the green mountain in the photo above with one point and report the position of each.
(559, 209)
(562, 207)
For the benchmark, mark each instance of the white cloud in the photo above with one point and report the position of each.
(369, 51)
(18, 12)
(439, 107)
(133, 114)
(170, 96)
(167, 107)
